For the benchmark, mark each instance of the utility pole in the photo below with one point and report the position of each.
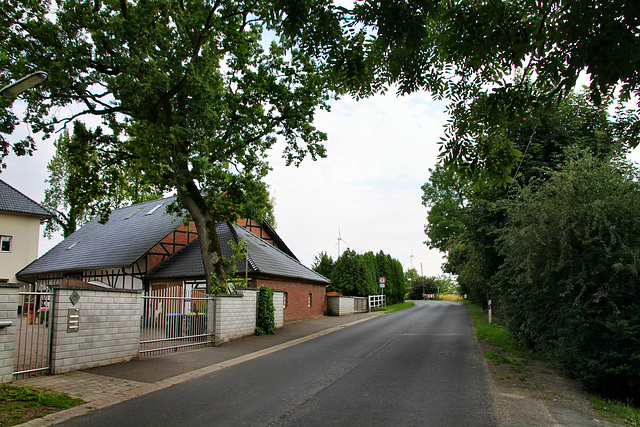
(422, 277)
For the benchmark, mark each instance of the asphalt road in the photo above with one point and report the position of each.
(419, 366)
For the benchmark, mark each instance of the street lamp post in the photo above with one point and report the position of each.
(14, 89)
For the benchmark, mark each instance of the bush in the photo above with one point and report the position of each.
(570, 283)
(265, 322)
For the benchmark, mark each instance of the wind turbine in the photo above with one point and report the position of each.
(340, 239)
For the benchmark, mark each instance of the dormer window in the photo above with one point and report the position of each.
(5, 243)
(132, 214)
(154, 209)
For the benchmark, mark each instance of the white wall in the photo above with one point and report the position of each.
(25, 233)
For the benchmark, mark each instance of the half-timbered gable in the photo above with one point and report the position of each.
(176, 240)
(264, 231)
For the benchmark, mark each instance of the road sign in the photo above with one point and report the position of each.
(382, 280)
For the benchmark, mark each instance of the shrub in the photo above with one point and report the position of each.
(265, 322)
(570, 283)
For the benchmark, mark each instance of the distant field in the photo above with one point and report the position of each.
(450, 297)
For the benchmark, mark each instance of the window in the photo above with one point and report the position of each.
(5, 243)
(284, 300)
(309, 304)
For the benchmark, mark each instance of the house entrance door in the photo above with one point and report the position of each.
(33, 335)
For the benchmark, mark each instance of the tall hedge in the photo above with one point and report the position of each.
(570, 282)
(265, 322)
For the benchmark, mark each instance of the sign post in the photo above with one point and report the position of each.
(382, 281)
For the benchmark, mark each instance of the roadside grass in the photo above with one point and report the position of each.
(497, 334)
(616, 412)
(512, 353)
(395, 307)
(21, 404)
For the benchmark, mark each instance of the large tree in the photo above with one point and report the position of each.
(186, 88)
(465, 221)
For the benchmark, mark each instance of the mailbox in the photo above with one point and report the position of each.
(73, 320)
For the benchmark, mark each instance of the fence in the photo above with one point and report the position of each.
(360, 305)
(377, 301)
(33, 333)
(171, 320)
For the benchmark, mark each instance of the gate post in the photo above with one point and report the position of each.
(8, 318)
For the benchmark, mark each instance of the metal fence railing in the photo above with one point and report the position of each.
(172, 321)
(33, 333)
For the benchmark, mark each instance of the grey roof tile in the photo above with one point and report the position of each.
(129, 234)
(12, 200)
(264, 259)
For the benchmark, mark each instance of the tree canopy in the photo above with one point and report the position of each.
(497, 63)
(357, 274)
(189, 93)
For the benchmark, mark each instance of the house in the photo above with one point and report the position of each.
(144, 247)
(20, 219)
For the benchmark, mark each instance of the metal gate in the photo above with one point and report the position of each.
(33, 333)
(174, 318)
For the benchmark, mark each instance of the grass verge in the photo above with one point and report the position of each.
(395, 307)
(616, 412)
(21, 404)
(511, 353)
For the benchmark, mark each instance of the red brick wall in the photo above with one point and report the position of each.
(298, 298)
(172, 243)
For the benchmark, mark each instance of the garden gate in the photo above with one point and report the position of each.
(33, 332)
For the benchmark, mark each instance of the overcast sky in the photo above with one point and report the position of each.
(379, 151)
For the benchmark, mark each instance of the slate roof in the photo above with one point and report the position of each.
(264, 259)
(132, 231)
(128, 235)
(11, 200)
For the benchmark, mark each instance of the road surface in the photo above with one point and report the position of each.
(415, 367)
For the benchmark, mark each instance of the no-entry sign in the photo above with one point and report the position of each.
(382, 281)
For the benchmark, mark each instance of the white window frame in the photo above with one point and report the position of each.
(4, 239)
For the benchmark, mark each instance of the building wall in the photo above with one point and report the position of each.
(297, 298)
(25, 233)
(108, 330)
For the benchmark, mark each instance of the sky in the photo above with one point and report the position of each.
(367, 189)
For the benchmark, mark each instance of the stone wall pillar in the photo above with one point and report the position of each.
(8, 314)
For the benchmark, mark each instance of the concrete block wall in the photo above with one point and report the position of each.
(340, 305)
(109, 328)
(235, 315)
(8, 312)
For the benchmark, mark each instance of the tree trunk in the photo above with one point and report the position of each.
(206, 227)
